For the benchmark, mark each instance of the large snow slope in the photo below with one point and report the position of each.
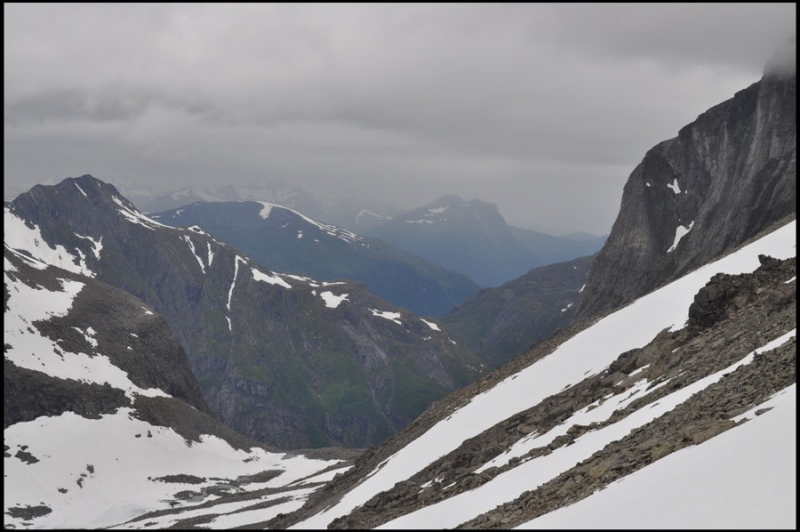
(585, 354)
(94, 473)
(743, 478)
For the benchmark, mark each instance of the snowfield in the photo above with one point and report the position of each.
(100, 473)
(586, 354)
(744, 478)
(76, 472)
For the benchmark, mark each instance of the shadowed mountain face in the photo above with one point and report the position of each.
(281, 358)
(725, 177)
(286, 240)
(497, 324)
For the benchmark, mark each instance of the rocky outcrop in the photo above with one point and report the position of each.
(497, 324)
(725, 177)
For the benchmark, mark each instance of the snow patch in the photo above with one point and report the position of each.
(385, 314)
(271, 279)
(97, 245)
(431, 325)
(680, 232)
(331, 300)
(674, 186)
(196, 256)
(136, 217)
(588, 352)
(210, 254)
(18, 237)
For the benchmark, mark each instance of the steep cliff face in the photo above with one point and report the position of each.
(725, 177)
(283, 359)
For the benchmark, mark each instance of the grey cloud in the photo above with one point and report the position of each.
(497, 101)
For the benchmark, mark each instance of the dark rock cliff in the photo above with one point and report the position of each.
(725, 177)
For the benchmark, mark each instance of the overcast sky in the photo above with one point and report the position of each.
(542, 109)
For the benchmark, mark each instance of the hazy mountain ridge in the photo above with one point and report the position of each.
(281, 358)
(468, 237)
(474, 239)
(550, 249)
(342, 207)
(725, 177)
(286, 240)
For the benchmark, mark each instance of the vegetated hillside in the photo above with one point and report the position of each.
(285, 240)
(711, 355)
(280, 358)
(498, 324)
(468, 237)
(105, 423)
(549, 249)
(725, 177)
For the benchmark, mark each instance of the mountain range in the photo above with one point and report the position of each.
(280, 358)
(287, 240)
(343, 207)
(667, 400)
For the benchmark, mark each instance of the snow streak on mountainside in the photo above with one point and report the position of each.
(589, 353)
